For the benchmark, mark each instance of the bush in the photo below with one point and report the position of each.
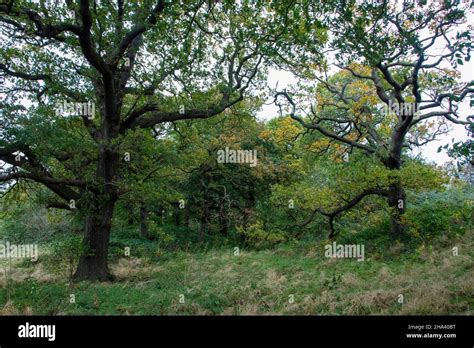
(432, 217)
(440, 215)
(27, 223)
(373, 233)
(257, 236)
(64, 255)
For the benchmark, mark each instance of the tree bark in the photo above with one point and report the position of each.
(187, 216)
(397, 204)
(144, 232)
(247, 211)
(223, 219)
(93, 261)
(177, 215)
(396, 193)
(205, 216)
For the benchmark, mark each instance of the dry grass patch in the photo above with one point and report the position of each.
(132, 267)
(10, 309)
(373, 301)
(19, 274)
(431, 297)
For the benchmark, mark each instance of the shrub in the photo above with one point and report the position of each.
(28, 223)
(257, 236)
(440, 215)
(64, 255)
(432, 217)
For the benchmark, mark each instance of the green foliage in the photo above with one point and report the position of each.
(127, 237)
(257, 236)
(64, 253)
(372, 233)
(432, 218)
(177, 209)
(28, 223)
(333, 282)
(440, 215)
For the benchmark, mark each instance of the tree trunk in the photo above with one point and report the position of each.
(205, 217)
(247, 211)
(93, 261)
(177, 215)
(396, 193)
(223, 220)
(204, 222)
(397, 204)
(187, 216)
(144, 232)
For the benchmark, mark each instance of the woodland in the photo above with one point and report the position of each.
(236, 157)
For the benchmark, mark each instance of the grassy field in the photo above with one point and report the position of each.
(293, 279)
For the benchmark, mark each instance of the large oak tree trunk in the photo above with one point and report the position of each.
(397, 204)
(396, 193)
(93, 262)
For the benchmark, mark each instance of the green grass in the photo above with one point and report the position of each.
(257, 282)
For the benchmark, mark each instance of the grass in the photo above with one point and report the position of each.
(432, 281)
